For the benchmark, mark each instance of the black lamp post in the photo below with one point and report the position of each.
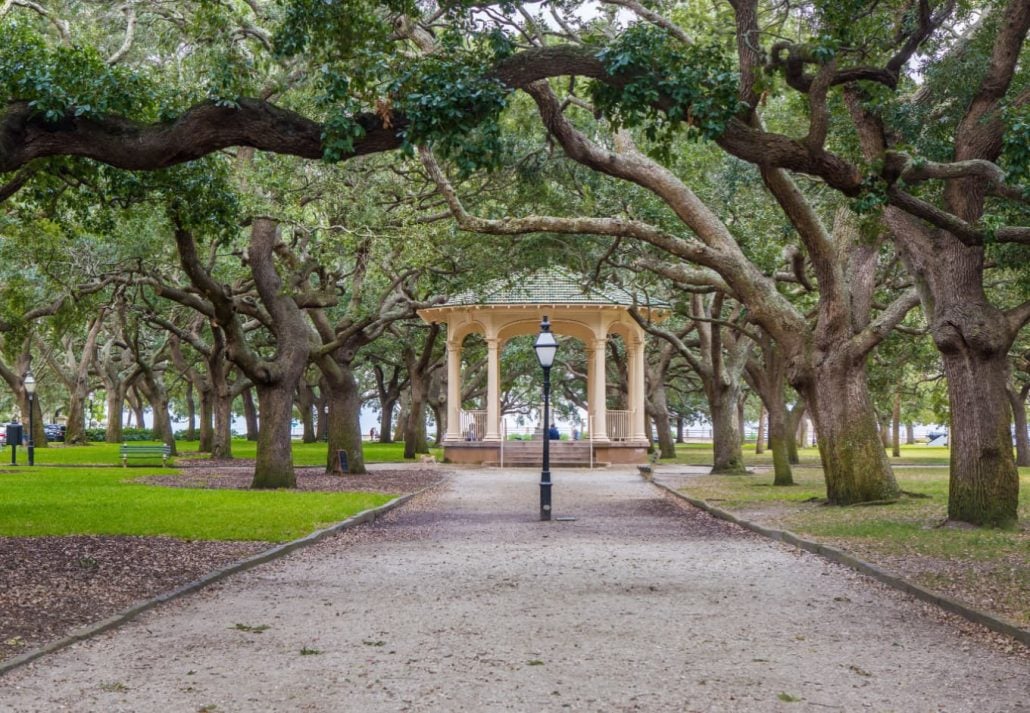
(30, 389)
(546, 347)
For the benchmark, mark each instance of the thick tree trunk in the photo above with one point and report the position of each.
(162, 421)
(795, 417)
(896, 426)
(660, 410)
(386, 421)
(401, 423)
(910, 434)
(344, 422)
(666, 446)
(973, 338)
(221, 436)
(136, 404)
(854, 461)
(321, 413)
(984, 486)
(760, 436)
(415, 429)
(1017, 399)
(741, 423)
(115, 402)
(726, 441)
(191, 413)
(250, 415)
(801, 440)
(679, 429)
(306, 405)
(273, 467)
(440, 417)
(885, 430)
(780, 438)
(207, 434)
(221, 397)
(75, 431)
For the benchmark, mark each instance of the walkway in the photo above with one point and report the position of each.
(463, 602)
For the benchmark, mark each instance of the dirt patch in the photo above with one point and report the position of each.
(50, 586)
(238, 477)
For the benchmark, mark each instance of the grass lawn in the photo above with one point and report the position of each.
(95, 501)
(304, 454)
(989, 567)
(701, 454)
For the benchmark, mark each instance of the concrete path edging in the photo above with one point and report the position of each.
(126, 615)
(991, 621)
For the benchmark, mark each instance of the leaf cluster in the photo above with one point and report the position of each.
(63, 80)
(698, 82)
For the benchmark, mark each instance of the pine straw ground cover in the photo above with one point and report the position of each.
(989, 569)
(80, 544)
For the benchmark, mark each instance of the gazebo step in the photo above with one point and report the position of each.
(537, 464)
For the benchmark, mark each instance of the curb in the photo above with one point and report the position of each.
(992, 622)
(126, 615)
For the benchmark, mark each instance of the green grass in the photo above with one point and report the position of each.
(92, 501)
(967, 562)
(106, 454)
(701, 454)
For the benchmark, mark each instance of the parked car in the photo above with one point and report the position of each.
(54, 431)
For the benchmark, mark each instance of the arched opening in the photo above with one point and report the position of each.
(599, 386)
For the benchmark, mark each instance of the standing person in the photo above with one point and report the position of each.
(372, 434)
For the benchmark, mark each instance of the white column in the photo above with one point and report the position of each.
(599, 395)
(493, 389)
(591, 406)
(637, 387)
(453, 391)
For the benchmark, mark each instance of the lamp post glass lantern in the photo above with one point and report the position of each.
(546, 347)
(30, 389)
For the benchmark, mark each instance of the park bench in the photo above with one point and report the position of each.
(137, 451)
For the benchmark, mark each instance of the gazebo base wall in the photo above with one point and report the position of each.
(529, 453)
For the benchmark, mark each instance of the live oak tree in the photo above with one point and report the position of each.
(660, 80)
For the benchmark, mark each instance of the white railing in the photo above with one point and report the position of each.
(473, 425)
(619, 425)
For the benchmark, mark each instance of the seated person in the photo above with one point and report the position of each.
(553, 433)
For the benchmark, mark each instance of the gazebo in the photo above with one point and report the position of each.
(513, 307)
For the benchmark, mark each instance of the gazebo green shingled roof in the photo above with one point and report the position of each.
(549, 286)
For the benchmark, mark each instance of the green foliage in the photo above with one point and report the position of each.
(452, 105)
(336, 30)
(1015, 158)
(128, 434)
(695, 86)
(202, 196)
(62, 81)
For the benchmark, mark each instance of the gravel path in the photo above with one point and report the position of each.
(462, 601)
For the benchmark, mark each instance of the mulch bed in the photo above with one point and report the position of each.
(50, 586)
(221, 475)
